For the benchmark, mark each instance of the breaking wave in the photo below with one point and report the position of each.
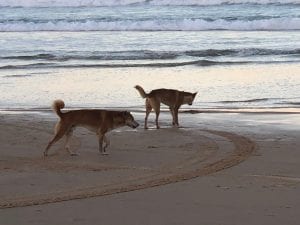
(155, 25)
(91, 3)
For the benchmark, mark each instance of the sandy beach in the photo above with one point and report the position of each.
(217, 168)
(234, 160)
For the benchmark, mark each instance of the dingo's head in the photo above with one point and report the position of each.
(129, 120)
(189, 98)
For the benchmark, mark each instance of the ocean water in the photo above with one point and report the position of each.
(238, 54)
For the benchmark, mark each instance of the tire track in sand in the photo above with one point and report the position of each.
(243, 148)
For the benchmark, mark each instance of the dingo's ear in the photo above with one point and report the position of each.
(125, 113)
(195, 94)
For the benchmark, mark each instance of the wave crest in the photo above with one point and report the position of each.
(91, 3)
(156, 25)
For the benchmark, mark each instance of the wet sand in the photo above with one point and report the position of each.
(225, 168)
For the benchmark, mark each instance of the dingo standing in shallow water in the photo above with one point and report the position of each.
(172, 98)
(95, 120)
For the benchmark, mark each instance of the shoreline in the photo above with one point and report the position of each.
(219, 88)
(250, 110)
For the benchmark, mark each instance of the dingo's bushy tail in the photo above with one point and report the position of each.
(141, 91)
(57, 105)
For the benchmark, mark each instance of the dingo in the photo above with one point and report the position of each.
(172, 98)
(98, 121)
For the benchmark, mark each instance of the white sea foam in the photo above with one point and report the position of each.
(219, 2)
(78, 3)
(156, 25)
(75, 3)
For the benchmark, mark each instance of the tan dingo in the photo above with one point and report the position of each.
(172, 98)
(98, 121)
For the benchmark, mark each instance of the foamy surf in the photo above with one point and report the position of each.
(90, 3)
(274, 24)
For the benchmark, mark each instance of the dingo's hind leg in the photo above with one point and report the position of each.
(60, 130)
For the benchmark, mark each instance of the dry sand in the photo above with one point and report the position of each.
(216, 169)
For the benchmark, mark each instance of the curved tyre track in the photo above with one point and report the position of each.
(243, 148)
